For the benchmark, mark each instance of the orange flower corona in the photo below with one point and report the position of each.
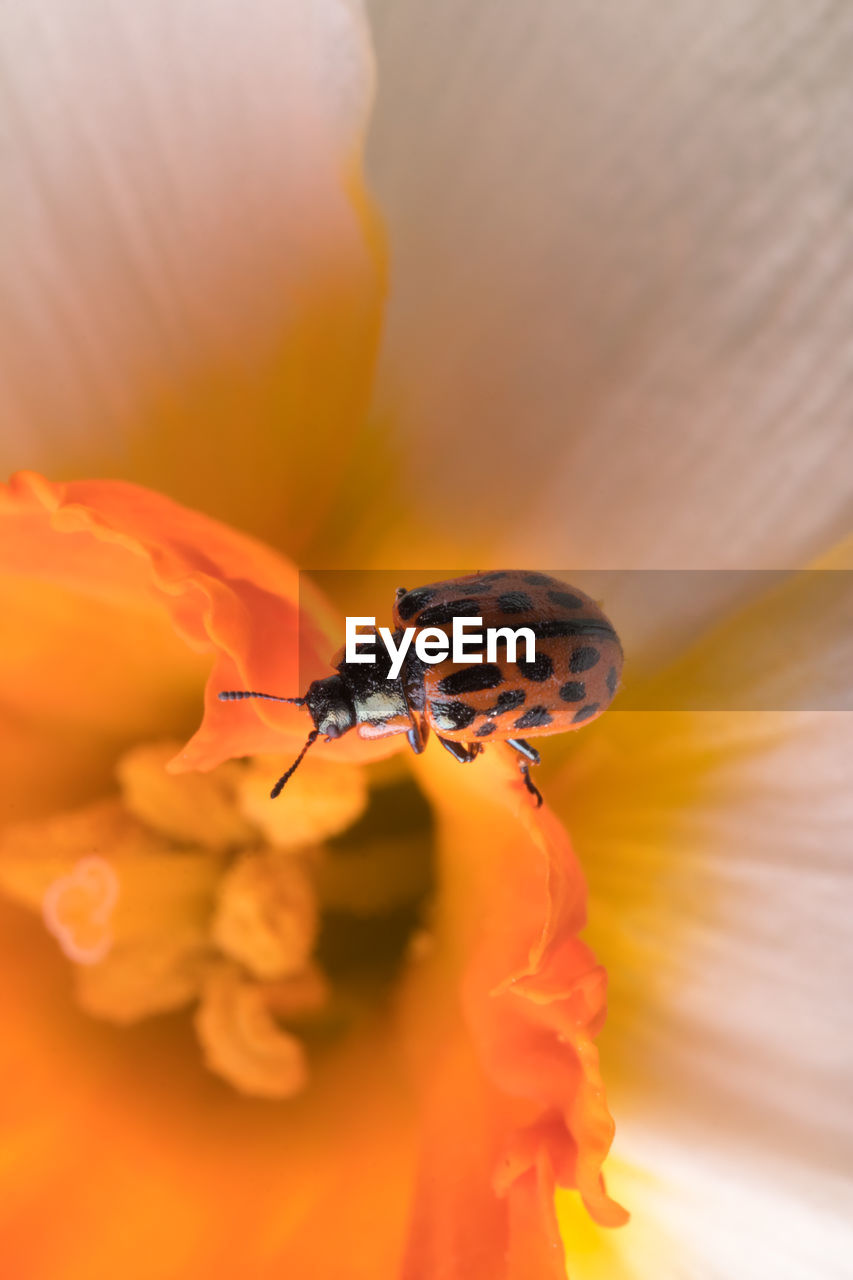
(382, 971)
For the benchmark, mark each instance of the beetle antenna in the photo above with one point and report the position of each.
(233, 695)
(312, 738)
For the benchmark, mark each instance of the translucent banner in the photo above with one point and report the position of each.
(693, 640)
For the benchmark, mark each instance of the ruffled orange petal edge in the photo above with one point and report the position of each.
(225, 592)
(539, 1023)
(517, 1104)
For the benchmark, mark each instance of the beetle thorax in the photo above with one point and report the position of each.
(376, 698)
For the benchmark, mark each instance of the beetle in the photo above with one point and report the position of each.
(571, 681)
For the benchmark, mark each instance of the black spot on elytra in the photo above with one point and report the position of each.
(451, 715)
(413, 601)
(584, 658)
(484, 730)
(489, 578)
(535, 716)
(537, 579)
(515, 602)
(573, 691)
(585, 713)
(508, 701)
(539, 669)
(566, 599)
(471, 679)
(439, 614)
(612, 681)
(472, 588)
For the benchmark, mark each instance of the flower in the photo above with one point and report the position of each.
(603, 348)
(184, 889)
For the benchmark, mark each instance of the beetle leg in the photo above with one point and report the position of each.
(528, 756)
(417, 735)
(460, 752)
(524, 749)
(529, 783)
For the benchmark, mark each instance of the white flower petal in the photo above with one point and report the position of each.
(718, 848)
(703, 1213)
(182, 244)
(622, 284)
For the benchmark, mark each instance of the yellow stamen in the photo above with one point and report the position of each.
(266, 915)
(128, 908)
(241, 1041)
(187, 808)
(199, 887)
(321, 800)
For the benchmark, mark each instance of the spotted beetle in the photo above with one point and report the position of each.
(572, 680)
